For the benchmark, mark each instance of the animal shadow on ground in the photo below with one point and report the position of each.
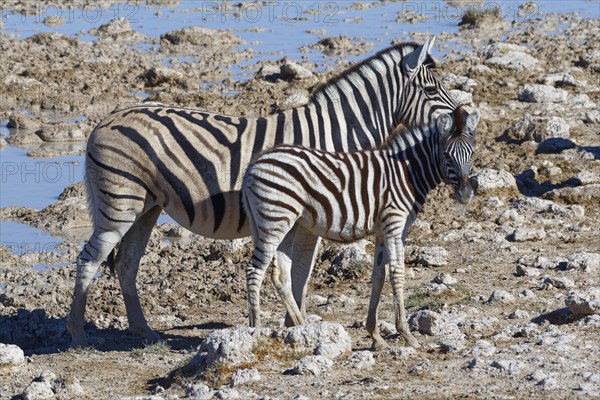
(560, 316)
(36, 333)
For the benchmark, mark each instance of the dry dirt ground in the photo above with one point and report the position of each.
(507, 261)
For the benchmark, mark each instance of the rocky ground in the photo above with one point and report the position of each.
(504, 294)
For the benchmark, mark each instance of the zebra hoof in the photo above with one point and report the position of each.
(147, 334)
(379, 344)
(412, 342)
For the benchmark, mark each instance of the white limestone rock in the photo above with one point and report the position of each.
(584, 302)
(514, 60)
(510, 366)
(295, 70)
(42, 387)
(312, 365)
(242, 376)
(430, 256)
(232, 346)
(535, 93)
(461, 97)
(584, 261)
(11, 354)
(510, 56)
(527, 234)
(489, 180)
(362, 359)
(501, 296)
(326, 338)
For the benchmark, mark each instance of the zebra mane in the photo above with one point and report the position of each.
(403, 138)
(369, 64)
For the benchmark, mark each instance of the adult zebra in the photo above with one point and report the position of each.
(345, 196)
(190, 163)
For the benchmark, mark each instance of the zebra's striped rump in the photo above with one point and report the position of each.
(346, 196)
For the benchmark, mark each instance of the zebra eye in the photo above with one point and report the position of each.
(430, 90)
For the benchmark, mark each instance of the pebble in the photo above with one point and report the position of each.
(41, 387)
(548, 384)
(445, 279)
(525, 271)
(584, 301)
(461, 97)
(526, 234)
(402, 352)
(482, 348)
(326, 338)
(231, 346)
(228, 394)
(518, 314)
(535, 93)
(511, 217)
(537, 375)
(510, 366)
(452, 343)
(352, 259)
(362, 359)
(514, 60)
(431, 256)
(427, 322)
(312, 365)
(584, 261)
(501, 296)
(555, 127)
(387, 328)
(295, 70)
(560, 282)
(489, 180)
(11, 354)
(242, 376)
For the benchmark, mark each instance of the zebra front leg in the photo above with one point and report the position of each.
(94, 252)
(377, 282)
(127, 264)
(395, 248)
(306, 246)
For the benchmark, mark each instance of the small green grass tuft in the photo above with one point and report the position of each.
(158, 348)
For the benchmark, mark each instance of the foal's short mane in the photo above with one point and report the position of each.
(403, 48)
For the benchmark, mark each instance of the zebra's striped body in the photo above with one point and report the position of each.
(191, 163)
(346, 196)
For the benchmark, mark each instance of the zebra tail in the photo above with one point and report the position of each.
(246, 204)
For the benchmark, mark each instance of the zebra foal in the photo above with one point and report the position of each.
(346, 196)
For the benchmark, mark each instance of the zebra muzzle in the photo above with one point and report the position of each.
(465, 190)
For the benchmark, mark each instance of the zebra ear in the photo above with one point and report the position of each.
(444, 124)
(413, 60)
(472, 121)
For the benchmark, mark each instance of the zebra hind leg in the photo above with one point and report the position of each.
(94, 252)
(281, 276)
(127, 263)
(255, 274)
(306, 245)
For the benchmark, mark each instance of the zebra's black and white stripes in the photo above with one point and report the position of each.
(346, 196)
(190, 163)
